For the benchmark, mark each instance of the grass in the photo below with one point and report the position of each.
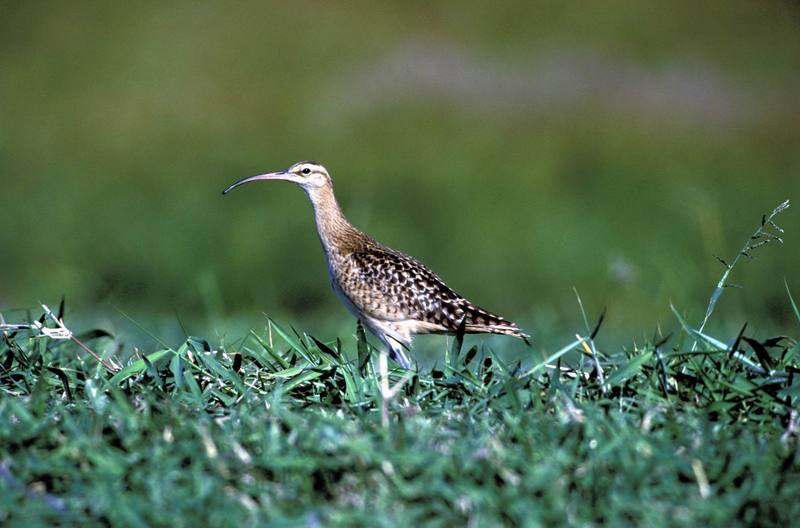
(284, 428)
(253, 433)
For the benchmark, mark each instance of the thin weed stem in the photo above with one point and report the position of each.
(767, 232)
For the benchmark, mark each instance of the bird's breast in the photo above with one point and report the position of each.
(336, 272)
(345, 300)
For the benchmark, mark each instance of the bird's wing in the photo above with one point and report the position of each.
(392, 286)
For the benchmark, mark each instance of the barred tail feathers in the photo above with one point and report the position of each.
(479, 321)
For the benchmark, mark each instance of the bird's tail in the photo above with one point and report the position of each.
(509, 329)
(479, 321)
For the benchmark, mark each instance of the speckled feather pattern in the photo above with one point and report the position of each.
(388, 285)
(392, 292)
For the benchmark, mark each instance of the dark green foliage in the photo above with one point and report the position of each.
(285, 428)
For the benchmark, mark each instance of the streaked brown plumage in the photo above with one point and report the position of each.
(393, 294)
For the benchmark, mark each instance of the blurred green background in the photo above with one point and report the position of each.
(518, 148)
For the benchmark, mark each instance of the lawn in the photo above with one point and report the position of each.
(281, 427)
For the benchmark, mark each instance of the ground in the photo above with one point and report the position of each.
(282, 428)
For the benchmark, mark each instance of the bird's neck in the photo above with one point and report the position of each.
(337, 235)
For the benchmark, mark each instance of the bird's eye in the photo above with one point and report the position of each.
(306, 171)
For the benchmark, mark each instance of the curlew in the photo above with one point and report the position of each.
(394, 295)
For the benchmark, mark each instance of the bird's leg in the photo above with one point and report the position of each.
(383, 367)
(397, 351)
(387, 392)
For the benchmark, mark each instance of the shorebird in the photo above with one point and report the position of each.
(394, 295)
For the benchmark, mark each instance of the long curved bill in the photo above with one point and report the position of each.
(280, 175)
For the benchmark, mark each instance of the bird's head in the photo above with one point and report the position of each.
(309, 175)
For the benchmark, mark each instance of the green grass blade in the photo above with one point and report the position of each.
(208, 359)
(307, 375)
(291, 340)
(555, 356)
(137, 367)
(630, 369)
(791, 300)
(696, 333)
(269, 350)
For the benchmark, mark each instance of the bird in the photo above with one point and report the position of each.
(394, 295)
